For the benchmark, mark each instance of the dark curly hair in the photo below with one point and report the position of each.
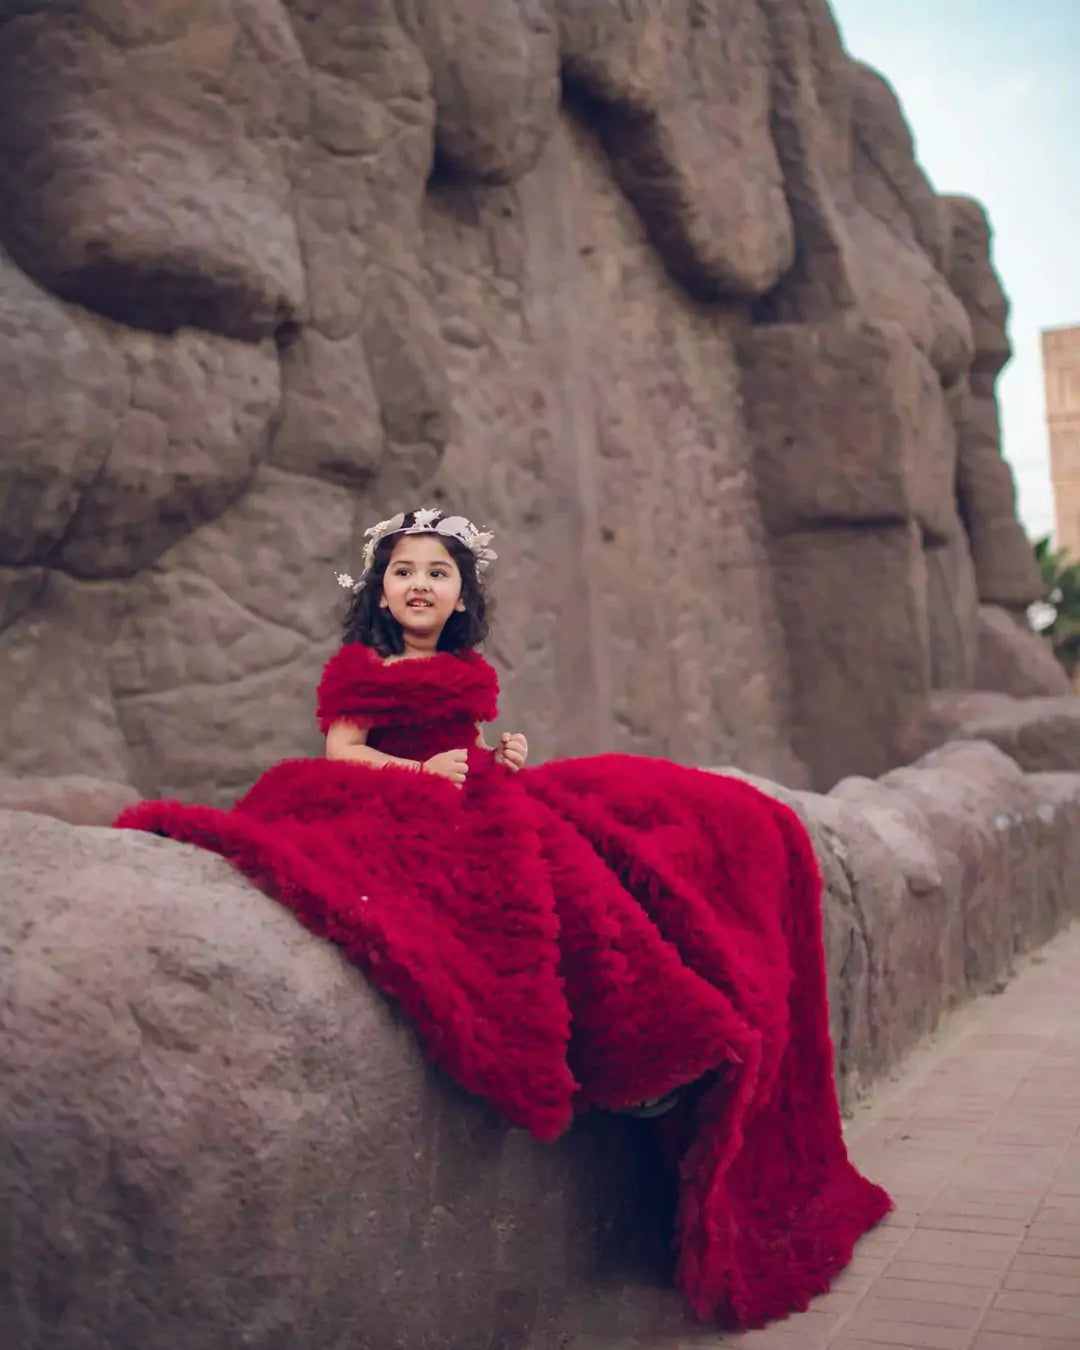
(375, 627)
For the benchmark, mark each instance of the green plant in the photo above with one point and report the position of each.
(1057, 616)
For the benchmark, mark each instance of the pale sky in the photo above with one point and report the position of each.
(991, 89)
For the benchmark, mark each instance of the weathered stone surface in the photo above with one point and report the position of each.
(937, 876)
(58, 714)
(216, 1132)
(495, 73)
(893, 200)
(121, 441)
(848, 425)
(891, 183)
(374, 253)
(73, 798)
(1040, 734)
(185, 446)
(138, 200)
(991, 875)
(53, 447)
(853, 606)
(20, 588)
(215, 661)
(952, 613)
(1014, 660)
(559, 460)
(684, 120)
(1004, 563)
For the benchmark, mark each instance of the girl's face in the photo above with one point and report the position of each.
(421, 586)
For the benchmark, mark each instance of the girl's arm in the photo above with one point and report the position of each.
(346, 740)
(481, 744)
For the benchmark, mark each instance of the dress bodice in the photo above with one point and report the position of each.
(412, 708)
(425, 738)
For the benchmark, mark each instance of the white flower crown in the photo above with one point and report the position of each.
(428, 520)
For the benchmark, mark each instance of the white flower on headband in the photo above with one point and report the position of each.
(466, 533)
(428, 520)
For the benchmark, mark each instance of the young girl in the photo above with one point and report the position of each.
(420, 594)
(590, 933)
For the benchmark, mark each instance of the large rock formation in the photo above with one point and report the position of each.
(1011, 659)
(656, 288)
(1040, 734)
(216, 1134)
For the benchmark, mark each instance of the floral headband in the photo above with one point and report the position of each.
(425, 521)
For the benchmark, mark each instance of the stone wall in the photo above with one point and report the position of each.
(656, 289)
(217, 1133)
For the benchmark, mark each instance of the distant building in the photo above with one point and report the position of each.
(1061, 371)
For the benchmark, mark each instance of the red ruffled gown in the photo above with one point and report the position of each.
(590, 933)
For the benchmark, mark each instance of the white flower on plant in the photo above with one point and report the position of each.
(1041, 615)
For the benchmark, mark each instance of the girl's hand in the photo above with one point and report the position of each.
(452, 764)
(512, 750)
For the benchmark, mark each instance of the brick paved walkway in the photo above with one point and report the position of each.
(979, 1144)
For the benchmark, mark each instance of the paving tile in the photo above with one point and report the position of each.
(1047, 1265)
(929, 1291)
(940, 1272)
(860, 1269)
(903, 1217)
(925, 1245)
(922, 1312)
(998, 1340)
(1018, 1185)
(851, 1343)
(1040, 1283)
(907, 1335)
(840, 1301)
(971, 1223)
(1047, 1246)
(1032, 1324)
(1057, 1208)
(782, 1336)
(990, 1204)
(981, 1152)
(1017, 1300)
(1057, 1232)
(883, 1241)
(815, 1320)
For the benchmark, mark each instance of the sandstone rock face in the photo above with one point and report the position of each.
(1040, 734)
(1005, 566)
(658, 290)
(74, 798)
(957, 863)
(215, 1133)
(1014, 660)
